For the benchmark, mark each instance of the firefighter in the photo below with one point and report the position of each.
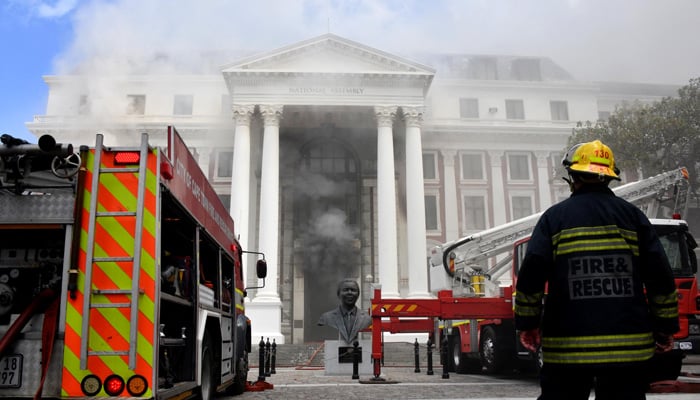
(611, 301)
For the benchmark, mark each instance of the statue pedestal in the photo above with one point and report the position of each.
(338, 358)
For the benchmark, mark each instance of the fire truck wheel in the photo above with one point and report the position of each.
(207, 388)
(241, 377)
(494, 351)
(461, 363)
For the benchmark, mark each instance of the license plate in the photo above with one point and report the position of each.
(686, 345)
(11, 371)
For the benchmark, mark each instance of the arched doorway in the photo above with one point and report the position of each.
(326, 227)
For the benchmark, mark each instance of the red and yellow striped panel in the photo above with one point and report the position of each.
(114, 237)
(396, 308)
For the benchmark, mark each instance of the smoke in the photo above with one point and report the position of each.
(642, 40)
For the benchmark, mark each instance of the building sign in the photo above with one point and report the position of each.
(333, 91)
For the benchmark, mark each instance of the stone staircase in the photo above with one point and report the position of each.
(311, 355)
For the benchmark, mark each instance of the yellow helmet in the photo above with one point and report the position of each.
(591, 158)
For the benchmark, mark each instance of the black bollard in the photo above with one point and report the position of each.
(355, 360)
(267, 357)
(430, 356)
(415, 354)
(273, 357)
(261, 360)
(445, 361)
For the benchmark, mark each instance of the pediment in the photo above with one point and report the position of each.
(329, 54)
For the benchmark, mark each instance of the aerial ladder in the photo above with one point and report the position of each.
(462, 264)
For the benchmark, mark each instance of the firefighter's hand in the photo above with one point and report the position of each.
(664, 342)
(530, 339)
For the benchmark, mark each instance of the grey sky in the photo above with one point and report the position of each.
(623, 40)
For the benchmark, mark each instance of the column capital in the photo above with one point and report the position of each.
(495, 156)
(542, 158)
(413, 116)
(385, 115)
(242, 113)
(272, 113)
(448, 157)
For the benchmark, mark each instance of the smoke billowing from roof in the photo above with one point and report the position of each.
(604, 40)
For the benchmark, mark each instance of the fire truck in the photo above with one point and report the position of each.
(120, 274)
(472, 315)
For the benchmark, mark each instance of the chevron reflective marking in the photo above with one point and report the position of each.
(114, 237)
(396, 307)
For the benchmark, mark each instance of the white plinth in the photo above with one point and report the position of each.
(333, 366)
(265, 320)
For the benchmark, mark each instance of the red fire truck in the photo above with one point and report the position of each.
(120, 274)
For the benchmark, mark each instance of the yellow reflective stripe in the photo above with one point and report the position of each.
(596, 357)
(664, 312)
(594, 231)
(529, 298)
(671, 298)
(584, 342)
(599, 160)
(588, 238)
(526, 311)
(596, 245)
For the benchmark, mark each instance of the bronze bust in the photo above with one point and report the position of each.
(347, 318)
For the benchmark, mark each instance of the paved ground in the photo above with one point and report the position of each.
(403, 383)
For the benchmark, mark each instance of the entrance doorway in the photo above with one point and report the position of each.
(326, 225)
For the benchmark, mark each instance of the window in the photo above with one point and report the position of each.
(603, 115)
(431, 212)
(84, 105)
(519, 167)
(226, 199)
(522, 206)
(136, 104)
(474, 213)
(472, 166)
(483, 68)
(330, 159)
(560, 110)
(183, 104)
(224, 164)
(226, 108)
(429, 168)
(468, 108)
(526, 70)
(515, 109)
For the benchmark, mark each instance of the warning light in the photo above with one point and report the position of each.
(136, 385)
(91, 385)
(127, 157)
(114, 385)
(676, 216)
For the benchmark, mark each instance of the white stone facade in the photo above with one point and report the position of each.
(348, 161)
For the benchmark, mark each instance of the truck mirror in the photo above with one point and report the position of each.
(261, 268)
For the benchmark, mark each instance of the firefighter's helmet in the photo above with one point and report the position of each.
(591, 158)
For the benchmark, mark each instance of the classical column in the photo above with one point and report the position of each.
(543, 180)
(386, 203)
(451, 196)
(415, 206)
(497, 188)
(240, 175)
(266, 306)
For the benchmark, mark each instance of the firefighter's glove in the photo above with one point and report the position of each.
(664, 342)
(530, 339)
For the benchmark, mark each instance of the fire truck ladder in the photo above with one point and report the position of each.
(135, 258)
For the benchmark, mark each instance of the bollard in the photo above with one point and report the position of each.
(261, 350)
(355, 360)
(415, 354)
(267, 357)
(430, 356)
(443, 357)
(273, 356)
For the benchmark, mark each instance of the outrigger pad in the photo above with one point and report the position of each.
(258, 386)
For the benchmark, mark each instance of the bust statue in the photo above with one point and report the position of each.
(347, 318)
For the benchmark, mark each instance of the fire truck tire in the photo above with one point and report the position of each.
(460, 362)
(207, 388)
(494, 351)
(239, 382)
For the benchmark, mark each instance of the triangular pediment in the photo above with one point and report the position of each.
(328, 53)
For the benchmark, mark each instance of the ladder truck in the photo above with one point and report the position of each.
(472, 315)
(120, 274)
